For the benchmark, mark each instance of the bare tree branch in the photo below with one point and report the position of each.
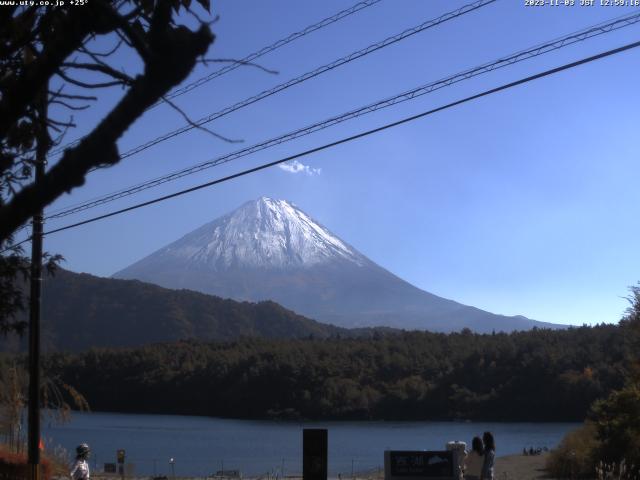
(78, 83)
(74, 26)
(58, 140)
(132, 14)
(124, 39)
(108, 53)
(102, 68)
(73, 97)
(172, 53)
(195, 125)
(68, 105)
(94, 57)
(134, 38)
(70, 123)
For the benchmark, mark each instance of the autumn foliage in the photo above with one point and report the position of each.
(14, 466)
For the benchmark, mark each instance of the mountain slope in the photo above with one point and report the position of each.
(270, 249)
(81, 311)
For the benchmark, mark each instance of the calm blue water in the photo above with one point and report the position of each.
(202, 445)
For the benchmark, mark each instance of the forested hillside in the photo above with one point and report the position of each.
(536, 375)
(81, 311)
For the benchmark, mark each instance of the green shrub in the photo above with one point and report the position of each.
(618, 424)
(617, 417)
(575, 457)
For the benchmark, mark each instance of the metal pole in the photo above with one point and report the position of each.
(34, 301)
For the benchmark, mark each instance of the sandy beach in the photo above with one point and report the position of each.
(521, 467)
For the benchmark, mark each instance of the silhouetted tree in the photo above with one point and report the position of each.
(48, 57)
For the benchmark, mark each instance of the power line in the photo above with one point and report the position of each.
(251, 57)
(311, 74)
(280, 43)
(519, 56)
(353, 56)
(357, 136)
(344, 140)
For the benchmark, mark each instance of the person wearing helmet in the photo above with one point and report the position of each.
(80, 469)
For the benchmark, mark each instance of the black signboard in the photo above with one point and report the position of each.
(314, 453)
(421, 464)
(109, 468)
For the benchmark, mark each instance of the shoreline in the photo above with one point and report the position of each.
(302, 420)
(329, 420)
(508, 467)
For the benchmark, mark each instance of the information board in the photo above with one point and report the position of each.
(419, 464)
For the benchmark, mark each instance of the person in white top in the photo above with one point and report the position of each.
(474, 460)
(80, 469)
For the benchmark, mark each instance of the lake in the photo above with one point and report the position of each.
(203, 445)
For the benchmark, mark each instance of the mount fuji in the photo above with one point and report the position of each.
(271, 250)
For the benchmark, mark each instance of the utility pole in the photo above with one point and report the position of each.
(43, 143)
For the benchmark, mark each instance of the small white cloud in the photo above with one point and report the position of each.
(295, 166)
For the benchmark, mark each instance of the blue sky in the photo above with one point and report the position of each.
(524, 202)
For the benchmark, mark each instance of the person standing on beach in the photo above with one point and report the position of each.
(489, 456)
(80, 469)
(474, 460)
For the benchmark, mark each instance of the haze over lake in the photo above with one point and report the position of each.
(203, 445)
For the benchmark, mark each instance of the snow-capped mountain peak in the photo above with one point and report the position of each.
(271, 250)
(263, 233)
